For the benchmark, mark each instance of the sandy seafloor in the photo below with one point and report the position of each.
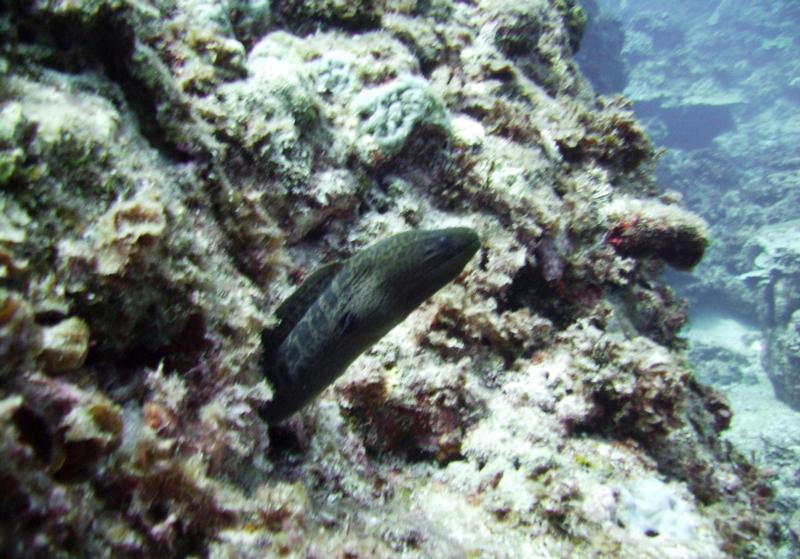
(758, 417)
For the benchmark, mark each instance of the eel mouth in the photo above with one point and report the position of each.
(459, 244)
(445, 256)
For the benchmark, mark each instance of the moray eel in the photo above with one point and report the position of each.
(345, 307)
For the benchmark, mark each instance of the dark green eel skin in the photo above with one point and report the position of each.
(345, 307)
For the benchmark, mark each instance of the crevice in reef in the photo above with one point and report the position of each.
(355, 17)
(107, 44)
(558, 300)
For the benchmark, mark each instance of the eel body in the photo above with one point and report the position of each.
(345, 307)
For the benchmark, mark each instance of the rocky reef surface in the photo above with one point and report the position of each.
(171, 169)
(729, 122)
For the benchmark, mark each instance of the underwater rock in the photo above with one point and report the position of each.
(651, 508)
(518, 28)
(71, 430)
(421, 415)
(521, 32)
(612, 136)
(65, 345)
(654, 229)
(266, 115)
(628, 386)
(575, 21)
(420, 36)
(204, 158)
(13, 237)
(733, 157)
(20, 338)
(656, 312)
(721, 366)
(12, 131)
(306, 15)
(128, 234)
(774, 254)
(783, 361)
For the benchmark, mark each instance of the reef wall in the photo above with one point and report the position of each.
(729, 121)
(170, 170)
(715, 84)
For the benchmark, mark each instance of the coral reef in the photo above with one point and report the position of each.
(774, 280)
(650, 228)
(732, 155)
(390, 113)
(170, 171)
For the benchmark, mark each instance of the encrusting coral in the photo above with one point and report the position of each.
(171, 171)
(651, 228)
(65, 345)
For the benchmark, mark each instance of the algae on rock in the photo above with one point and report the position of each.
(208, 158)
